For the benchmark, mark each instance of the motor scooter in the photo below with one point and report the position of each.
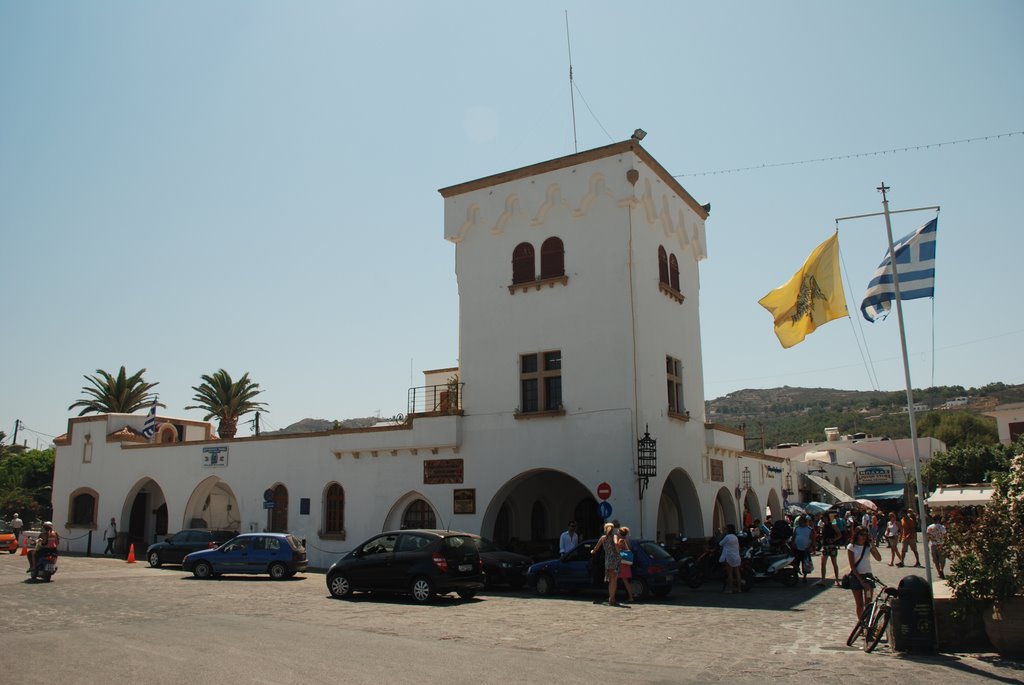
(707, 567)
(46, 564)
(765, 562)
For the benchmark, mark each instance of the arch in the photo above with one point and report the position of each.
(552, 258)
(752, 505)
(503, 531)
(538, 521)
(277, 518)
(724, 511)
(563, 497)
(523, 268)
(166, 433)
(394, 517)
(212, 504)
(83, 505)
(673, 272)
(662, 265)
(333, 521)
(774, 504)
(679, 507)
(419, 514)
(588, 521)
(139, 514)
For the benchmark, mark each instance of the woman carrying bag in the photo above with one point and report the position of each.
(626, 561)
(859, 579)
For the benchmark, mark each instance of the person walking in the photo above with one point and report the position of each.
(936, 533)
(609, 543)
(804, 538)
(110, 535)
(829, 537)
(892, 536)
(859, 553)
(568, 540)
(730, 559)
(626, 567)
(908, 538)
(16, 525)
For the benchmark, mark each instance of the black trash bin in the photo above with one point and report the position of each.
(913, 616)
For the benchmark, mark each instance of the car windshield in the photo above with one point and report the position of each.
(4, 528)
(655, 551)
(486, 545)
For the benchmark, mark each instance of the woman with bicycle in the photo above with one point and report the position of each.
(861, 578)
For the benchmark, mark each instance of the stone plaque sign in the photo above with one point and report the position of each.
(717, 471)
(442, 471)
(464, 500)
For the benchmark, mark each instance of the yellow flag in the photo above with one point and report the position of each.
(813, 297)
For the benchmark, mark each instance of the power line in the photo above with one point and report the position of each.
(836, 158)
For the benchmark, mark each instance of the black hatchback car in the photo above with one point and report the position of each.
(423, 563)
(174, 547)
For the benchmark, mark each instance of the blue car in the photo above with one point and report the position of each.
(654, 570)
(279, 554)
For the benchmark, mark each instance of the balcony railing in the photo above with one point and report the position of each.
(436, 399)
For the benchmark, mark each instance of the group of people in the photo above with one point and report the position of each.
(615, 545)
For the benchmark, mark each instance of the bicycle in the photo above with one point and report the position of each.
(874, 621)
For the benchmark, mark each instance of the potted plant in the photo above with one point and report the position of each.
(986, 556)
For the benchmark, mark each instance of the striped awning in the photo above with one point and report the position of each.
(833, 491)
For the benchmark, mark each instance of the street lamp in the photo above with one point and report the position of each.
(646, 460)
(746, 477)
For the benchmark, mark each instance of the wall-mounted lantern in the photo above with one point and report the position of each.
(646, 460)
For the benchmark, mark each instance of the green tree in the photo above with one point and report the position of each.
(973, 463)
(227, 400)
(959, 428)
(121, 395)
(26, 480)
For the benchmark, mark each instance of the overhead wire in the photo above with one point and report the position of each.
(865, 353)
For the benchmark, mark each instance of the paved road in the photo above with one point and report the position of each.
(105, 620)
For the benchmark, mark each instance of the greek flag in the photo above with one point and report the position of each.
(915, 261)
(149, 428)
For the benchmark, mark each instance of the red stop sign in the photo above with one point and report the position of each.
(604, 491)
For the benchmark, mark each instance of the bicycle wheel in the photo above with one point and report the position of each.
(877, 628)
(859, 628)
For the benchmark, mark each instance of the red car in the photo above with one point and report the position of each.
(7, 540)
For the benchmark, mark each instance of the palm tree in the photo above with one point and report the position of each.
(122, 395)
(227, 400)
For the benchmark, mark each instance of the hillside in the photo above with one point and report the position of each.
(787, 414)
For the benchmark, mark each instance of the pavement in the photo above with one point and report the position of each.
(105, 620)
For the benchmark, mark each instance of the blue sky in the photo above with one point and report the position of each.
(252, 185)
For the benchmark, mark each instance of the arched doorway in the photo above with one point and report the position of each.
(277, 517)
(140, 519)
(679, 508)
(751, 507)
(533, 508)
(724, 512)
(774, 505)
(213, 505)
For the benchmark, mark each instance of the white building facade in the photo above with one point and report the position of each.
(579, 334)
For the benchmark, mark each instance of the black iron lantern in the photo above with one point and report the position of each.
(646, 459)
(746, 477)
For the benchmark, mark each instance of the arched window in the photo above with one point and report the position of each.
(538, 521)
(662, 265)
(673, 272)
(552, 258)
(419, 515)
(334, 510)
(83, 509)
(523, 270)
(277, 518)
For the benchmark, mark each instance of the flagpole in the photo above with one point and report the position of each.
(910, 392)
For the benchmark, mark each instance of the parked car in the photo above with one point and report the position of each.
(7, 540)
(501, 567)
(423, 563)
(654, 570)
(174, 547)
(279, 554)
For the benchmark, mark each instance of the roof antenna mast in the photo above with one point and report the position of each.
(572, 96)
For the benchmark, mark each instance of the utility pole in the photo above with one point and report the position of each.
(14, 440)
(257, 424)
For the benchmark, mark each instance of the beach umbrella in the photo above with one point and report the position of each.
(817, 507)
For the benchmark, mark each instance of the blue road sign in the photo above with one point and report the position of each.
(268, 495)
(604, 510)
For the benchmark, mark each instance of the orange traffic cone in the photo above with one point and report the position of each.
(24, 547)
(131, 554)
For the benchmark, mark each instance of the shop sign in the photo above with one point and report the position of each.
(868, 475)
(442, 471)
(215, 456)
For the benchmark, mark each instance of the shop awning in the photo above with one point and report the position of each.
(880, 491)
(960, 496)
(829, 488)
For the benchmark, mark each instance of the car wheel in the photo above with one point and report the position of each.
(422, 590)
(154, 560)
(202, 570)
(339, 586)
(467, 594)
(278, 571)
(641, 590)
(545, 585)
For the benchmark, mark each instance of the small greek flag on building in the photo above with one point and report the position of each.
(149, 428)
(915, 263)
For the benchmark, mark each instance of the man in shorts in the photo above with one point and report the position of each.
(830, 537)
(908, 537)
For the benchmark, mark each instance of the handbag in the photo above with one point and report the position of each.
(847, 581)
(626, 557)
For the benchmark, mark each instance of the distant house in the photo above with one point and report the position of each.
(1009, 421)
(956, 402)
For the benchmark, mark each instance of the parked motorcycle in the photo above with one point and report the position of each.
(45, 566)
(764, 562)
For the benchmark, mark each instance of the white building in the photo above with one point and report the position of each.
(1009, 421)
(579, 333)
